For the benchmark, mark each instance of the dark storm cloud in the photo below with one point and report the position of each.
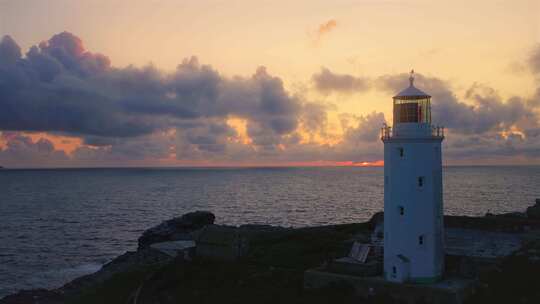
(68, 49)
(61, 87)
(10, 52)
(327, 82)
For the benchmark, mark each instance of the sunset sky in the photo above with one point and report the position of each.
(248, 83)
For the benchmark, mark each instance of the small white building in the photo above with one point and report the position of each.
(413, 203)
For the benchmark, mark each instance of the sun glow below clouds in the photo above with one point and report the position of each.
(67, 144)
(513, 132)
(240, 126)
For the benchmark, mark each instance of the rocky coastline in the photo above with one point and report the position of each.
(191, 259)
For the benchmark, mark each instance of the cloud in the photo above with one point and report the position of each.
(323, 30)
(327, 27)
(534, 60)
(485, 112)
(208, 140)
(367, 130)
(61, 87)
(480, 123)
(143, 114)
(484, 127)
(314, 117)
(124, 150)
(327, 82)
(10, 52)
(21, 149)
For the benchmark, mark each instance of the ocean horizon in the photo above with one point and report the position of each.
(245, 167)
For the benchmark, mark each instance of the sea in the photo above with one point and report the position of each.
(58, 224)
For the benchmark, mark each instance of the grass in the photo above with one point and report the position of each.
(117, 289)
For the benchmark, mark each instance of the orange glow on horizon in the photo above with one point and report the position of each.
(377, 163)
(321, 163)
(67, 144)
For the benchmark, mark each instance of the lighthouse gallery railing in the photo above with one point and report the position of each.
(387, 132)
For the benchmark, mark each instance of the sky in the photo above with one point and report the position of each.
(262, 83)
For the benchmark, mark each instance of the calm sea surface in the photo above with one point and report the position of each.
(56, 225)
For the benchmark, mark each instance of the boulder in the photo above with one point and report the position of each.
(533, 212)
(178, 228)
(376, 219)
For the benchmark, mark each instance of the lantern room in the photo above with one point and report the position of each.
(412, 105)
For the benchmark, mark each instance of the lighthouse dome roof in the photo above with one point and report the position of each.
(411, 92)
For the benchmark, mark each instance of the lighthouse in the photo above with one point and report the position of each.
(413, 201)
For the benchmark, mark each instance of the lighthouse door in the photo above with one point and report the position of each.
(400, 269)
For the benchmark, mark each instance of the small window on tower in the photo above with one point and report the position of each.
(401, 210)
(400, 151)
(420, 181)
(421, 240)
(394, 271)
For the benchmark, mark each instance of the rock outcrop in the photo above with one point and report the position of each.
(178, 228)
(225, 243)
(533, 212)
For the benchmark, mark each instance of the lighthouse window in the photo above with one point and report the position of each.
(401, 210)
(420, 181)
(407, 111)
(394, 271)
(400, 151)
(421, 240)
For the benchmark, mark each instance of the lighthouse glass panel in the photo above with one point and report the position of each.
(412, 110)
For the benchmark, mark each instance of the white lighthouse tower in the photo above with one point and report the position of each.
(413, 203)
